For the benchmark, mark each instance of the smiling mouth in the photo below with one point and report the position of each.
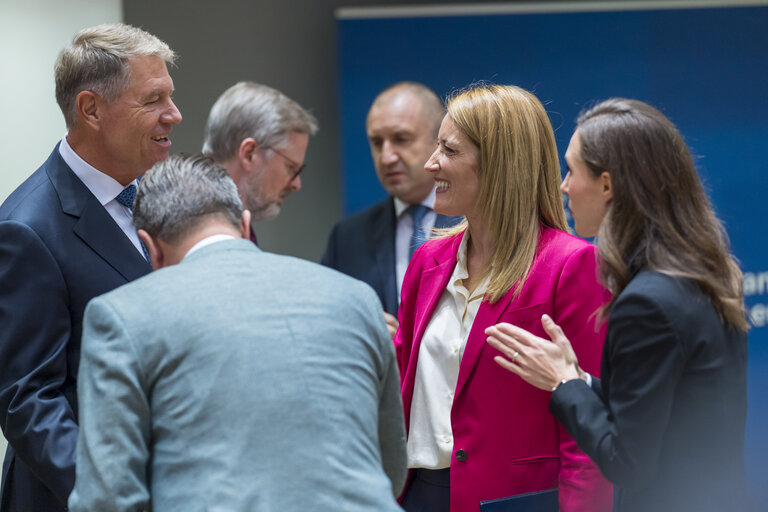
(442, 186)
(159, 138)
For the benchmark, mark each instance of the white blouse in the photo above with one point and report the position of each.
(430, 438)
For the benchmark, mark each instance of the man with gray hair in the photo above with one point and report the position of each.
(224, 380)
(260, 136)
(66, 236)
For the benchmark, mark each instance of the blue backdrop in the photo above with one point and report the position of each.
(706, 69)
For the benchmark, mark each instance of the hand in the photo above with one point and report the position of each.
(392, 324)
(538, 361)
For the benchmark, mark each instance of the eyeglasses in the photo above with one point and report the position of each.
(298, 167)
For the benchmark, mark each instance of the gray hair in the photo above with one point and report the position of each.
(248, 109)
(97, 60)
(177, 194)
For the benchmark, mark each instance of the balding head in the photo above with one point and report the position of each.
(402, 127)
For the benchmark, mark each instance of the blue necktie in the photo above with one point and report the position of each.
(126, 198)
(418, 237)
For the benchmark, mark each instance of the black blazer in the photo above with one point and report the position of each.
(363, 246)
(58, 248)
(666, 422)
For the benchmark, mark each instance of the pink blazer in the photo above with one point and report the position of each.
(511, 443)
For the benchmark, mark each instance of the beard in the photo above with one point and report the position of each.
(255, 200)
(262, 210)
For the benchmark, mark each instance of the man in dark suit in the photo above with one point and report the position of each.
(260, 136)
(66, 236)
(376, 244)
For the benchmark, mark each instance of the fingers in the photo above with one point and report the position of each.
(511, 350)
(508, 332)
(558, 337)
(552, 329)
(507, 364)
(392, 324)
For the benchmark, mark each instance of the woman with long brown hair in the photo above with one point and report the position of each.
(666, 422)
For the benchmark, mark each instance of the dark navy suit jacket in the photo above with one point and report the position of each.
(363, 246)
(58, 248)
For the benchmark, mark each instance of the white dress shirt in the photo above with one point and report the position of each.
(105, 188)
(430, 437)
(404, 231)
(208, 241)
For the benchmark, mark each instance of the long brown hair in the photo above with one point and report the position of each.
(519, 175)
(660, 217)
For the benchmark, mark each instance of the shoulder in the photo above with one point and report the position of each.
(36, 199)
(672, 300)
(438, 249)
(558, 252)
(666, 291)
(561, 243)
(27, 201)
(363, 219)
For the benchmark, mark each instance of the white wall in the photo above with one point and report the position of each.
(31, 35)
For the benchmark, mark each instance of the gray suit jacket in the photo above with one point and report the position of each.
(238, 380)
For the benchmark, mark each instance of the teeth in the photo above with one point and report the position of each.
(443, 185)
(159, 137)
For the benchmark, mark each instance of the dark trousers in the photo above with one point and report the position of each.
(430, 491)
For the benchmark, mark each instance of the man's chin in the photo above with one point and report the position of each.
(264, 212)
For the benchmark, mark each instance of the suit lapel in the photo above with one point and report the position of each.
(432, 284)
(487, 315)
(382, 244)
(94, 226)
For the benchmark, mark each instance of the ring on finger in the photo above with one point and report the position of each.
(514, 356)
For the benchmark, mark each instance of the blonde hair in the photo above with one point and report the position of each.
(97, 60)
(519, 174)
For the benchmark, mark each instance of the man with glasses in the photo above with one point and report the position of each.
(260, 137)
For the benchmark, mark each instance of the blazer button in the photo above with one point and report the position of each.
(461, 455)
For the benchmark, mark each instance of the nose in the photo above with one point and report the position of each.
(172, 115)
(432, 165)
(565, 183)
(295, 183)
(388, 153)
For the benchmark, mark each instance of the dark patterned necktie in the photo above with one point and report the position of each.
(126, 198)
(418, 237)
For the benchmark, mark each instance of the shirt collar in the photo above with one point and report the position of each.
(461, 271)
(101, 185)
(208, 241)
(401, 206)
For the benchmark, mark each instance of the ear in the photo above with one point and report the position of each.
(248, 153)
(156, 256)
(87, 107)
(245, 225)
(606, 188)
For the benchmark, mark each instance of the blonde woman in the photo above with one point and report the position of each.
(476, 432)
